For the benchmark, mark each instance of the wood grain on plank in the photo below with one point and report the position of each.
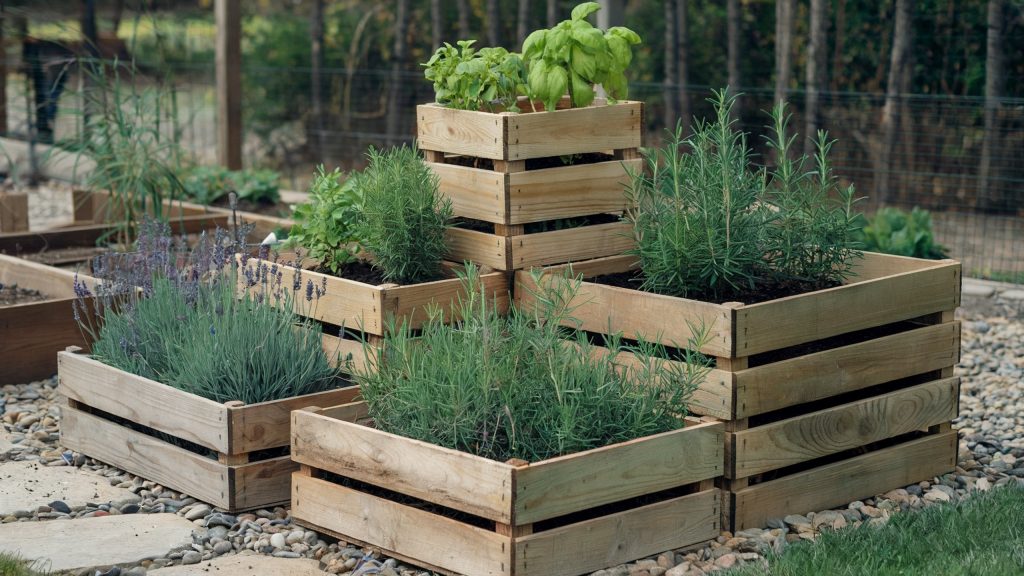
(408, 531)
(467, 132)
(447, 477)
(31, 335)
(876, 265)
(568, 191)
(350, 353)
(475, 192)
(802, 438)
(571, 244)
(844, 369)
(144, 401)
(480, 247)
(611, 540)
(262, 484)
(595, 128)
(268, 424)
(575, 482)
(411, 303)
(845, 481)
(13, 212)
(52, 282)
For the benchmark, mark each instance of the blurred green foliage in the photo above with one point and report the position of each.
(894, 231)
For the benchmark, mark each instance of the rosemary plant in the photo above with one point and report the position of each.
(514, 387)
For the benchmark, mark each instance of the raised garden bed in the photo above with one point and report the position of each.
(231, 455)
(828, 396)
(457, 513)
(13, 212)
(510, 170)
(32, 332)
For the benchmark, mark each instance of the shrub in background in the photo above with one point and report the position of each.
(894, 231)
(326, 226)
(513, 387)
(209, 184)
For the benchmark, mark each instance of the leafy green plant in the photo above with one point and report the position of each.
(894, 231)
(210, 184)
(404, 218)
(257, 186)
(206, 184)
(470, 79)
(326, 226)
(176, 317)
(513, 387)
(576, 56)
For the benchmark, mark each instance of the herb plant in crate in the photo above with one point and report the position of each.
(188, 384)
(533, 163)
(834, 368)
(377, 242)
(492, 446)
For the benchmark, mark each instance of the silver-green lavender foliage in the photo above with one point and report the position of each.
(175, 317)
(710, 224)
(404, 216)
(515, 387)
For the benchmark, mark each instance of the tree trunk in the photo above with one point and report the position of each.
(493, 23)
(671, 82)
(523, 21)
(837, 53)
(995, 80)
(398, 53)
(815, 72)
(733, 59)
(783, 47)
(436, 25)
(3, 74)
(463, 7)
(683, 58)
(552, 13)
(316, 36)
(890, 111)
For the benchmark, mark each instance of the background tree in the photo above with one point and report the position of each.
(783, 47)
(890, 110)
(523, 21)
(463, 8)
(682, 54)
(671, 81)
(398, 56)
(316, 124)
(436, 23)
(815, 71)
(552, 13)
(995, 79)
(732, 25)
(493, 23)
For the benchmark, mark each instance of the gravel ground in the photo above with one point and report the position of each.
(991, 454)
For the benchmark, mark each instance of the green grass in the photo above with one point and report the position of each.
(11, 565)
(982, 535)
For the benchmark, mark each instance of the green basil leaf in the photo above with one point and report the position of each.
(589, 38)
(534, 43)
(620, 51)
(583, 64)
(625, 33)
(582, 91)
(585, 9)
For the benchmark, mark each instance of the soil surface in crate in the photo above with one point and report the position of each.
(537, 227)
(762, 293)
(534, 163)
(359, 271)
(11, 294)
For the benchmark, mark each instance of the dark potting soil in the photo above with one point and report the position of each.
(11, 294)
(534, 163)
(537, 227)
(764, 291)
(359, 271)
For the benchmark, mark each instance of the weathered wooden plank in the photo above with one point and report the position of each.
(571, 244)
(13, 212)
(342, 350)
(262, 484)
(595, 128)
(566, 484)
(876, 265)
(267, 424)
(395, 527)
(568, 191)
(621, 537)
(151, 404)
(824, 313)
(447, 477)
(145, 456)
(484, 249)
(88, 235)
(480, 134)
(853, 367)
(30, 337)
(475, 193)
(411, 303)
(845, 481)
(53, 282)
(806, 437)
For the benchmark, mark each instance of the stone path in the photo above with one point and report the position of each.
(27, 485)
(96, 542)
(244, 565)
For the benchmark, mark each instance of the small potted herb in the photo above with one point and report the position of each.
(488, 444)
(188, 384)
(377, 242)
(809, 334)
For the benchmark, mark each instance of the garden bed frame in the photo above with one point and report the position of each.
(828, 396)
(484, 517)
(508, 196)
(101, 398)
(13, 212)
(32, 333)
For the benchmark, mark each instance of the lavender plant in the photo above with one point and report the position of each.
(173, 315)
(514, 387)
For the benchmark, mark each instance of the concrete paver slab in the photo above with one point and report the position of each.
(28, 485)
(245, 565)
(88, 542)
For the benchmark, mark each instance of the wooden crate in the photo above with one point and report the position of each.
(513, 249)
(854, 380)
(457, 513)
(116, 417)
(13, 212)
(31, 334)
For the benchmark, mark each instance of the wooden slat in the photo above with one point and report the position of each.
(475, 193)
(200, 477)
(467, 132)
(31, 335)
(621, 537)
(574, 131)
(842, 482)
(411, 303)
(802, 438)
(572, 244)
(144, 401)
(559, 486)
(337, 349)
(447, 477)
(394, 527)
(568, 191)
(13, 212)
(53, 282)
(267, 424)
(88, 235)
(876, 265)
(816, 315)
(349, 412)
(832, 372)
(590, 268)
(262, 484)
(480, 247)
